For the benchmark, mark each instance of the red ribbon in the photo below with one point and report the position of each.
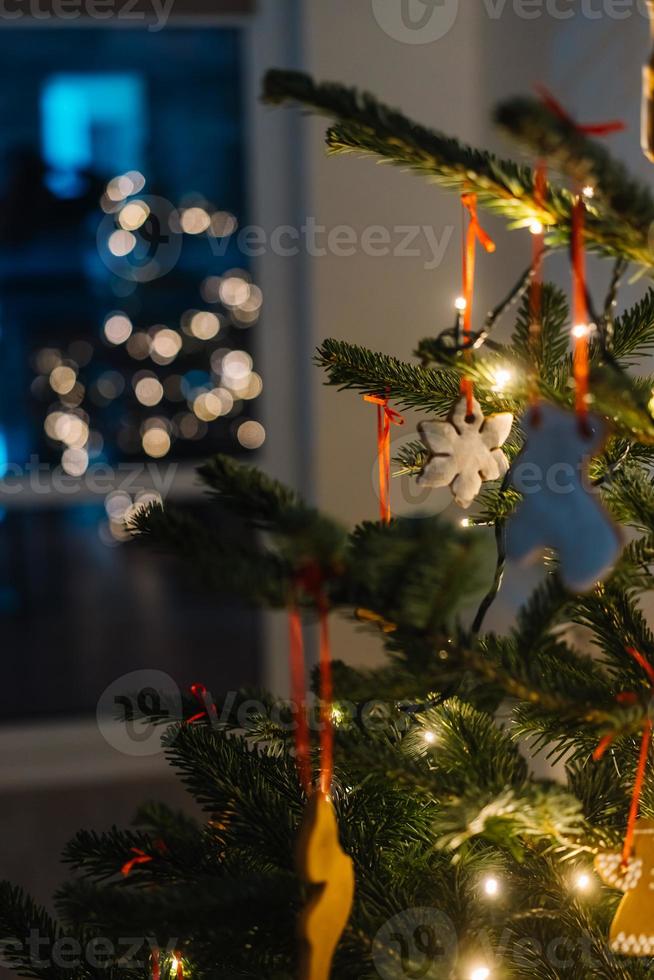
(201, 694)
(298, 696)
(156, 965)
(385, 418)
(140, 857)
(474, 233)
(311, 581)
(588, 129)
(536, 290)
(581, 365)
(180, 967)
(629, 697)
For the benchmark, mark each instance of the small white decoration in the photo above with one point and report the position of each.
(558, 509)
(464, 451)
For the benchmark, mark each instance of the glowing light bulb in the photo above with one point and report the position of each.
(580, 330)
(588, 191)
(583, 882)
(174, 965)
(501, 378)
(460, 303)
(429, 737)
(491, 887)
(465, 522)
(480, 973)
(536, 227)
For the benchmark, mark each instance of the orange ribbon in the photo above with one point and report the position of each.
(474, 233)
(629, 697)
(140, 857)
(588, 129)
(310, 579)
(536, 290)
(581, 365)
(385, 418)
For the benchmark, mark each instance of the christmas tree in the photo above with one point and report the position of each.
(466, 865)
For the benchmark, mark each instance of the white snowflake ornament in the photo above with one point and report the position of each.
(464, 451)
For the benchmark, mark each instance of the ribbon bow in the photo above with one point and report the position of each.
(588, 129)
(385, 418)
(630, 697)
(474, 233)
(201, 694)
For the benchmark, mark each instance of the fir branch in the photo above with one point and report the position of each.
(587, 161)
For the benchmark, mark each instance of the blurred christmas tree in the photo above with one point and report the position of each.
(466, 865)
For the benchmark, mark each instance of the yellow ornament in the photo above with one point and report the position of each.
(329, 873)
(647, 125)
(632, 930)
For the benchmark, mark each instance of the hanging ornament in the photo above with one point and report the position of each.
(647, 119)
(557, 509)
(329, 874)
(385, 418)
(321, 862)
(632, 869)
(465, 450)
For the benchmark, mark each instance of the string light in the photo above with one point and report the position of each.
(583, 882)
(174, 965)
(460, 303)
(501, 378)
(536, 227)
(465, 522)
(491, 887)
(429, 737)
(588, 191)
(580, 330)
(480, 973)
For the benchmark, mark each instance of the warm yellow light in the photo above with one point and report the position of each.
(480, 973)
(156, 442)
(223, 224)
(166, 344)
(204, 325)
(460, 303)
(75, 461)
(194, 221)
(133, 215)
(62, 379)
(501, 378)
(121, 243)
(580, 330)
(429, 737)
(234, 291)
(588, 191)
(491, 887)
(536, 227)
(251, 435)
(117, 328)
(207, 406)
(149, 391)
(583, 882)
(465, 522)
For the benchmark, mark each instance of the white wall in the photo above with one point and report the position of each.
(392, 302)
